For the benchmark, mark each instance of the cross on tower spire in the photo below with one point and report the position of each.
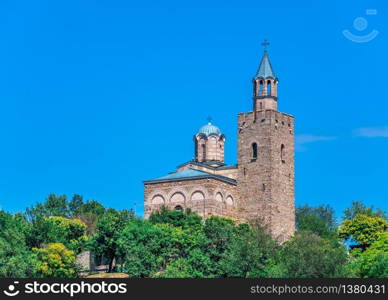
(265, 44)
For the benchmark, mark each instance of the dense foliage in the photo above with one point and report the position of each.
(109, 228)
(319, 220)
(308, 255)
(56, 261)
(45, 240)
(373, 262)
(363, 229)
(14, 250)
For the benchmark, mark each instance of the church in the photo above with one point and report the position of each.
(261, 184)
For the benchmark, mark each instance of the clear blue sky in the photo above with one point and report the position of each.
(96, 96)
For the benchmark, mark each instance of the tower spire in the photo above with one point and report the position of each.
(265, 69)
(265, 84)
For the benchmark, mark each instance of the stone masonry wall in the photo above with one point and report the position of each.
(206, 197)
(266, 183)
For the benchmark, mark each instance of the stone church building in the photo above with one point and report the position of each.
(259, 186)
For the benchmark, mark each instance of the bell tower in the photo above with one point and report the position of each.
(265, 85)
(266, 157)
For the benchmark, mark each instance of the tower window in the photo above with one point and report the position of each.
(254, 151)
(263, 187)
(203, 152)
(282, 153)
(261, 87)
(269, 88)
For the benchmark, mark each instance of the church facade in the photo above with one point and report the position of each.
(261, 184)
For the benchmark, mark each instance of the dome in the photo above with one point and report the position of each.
(209, 129)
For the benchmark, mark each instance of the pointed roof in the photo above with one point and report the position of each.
(265, 69)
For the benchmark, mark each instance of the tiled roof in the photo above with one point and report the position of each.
(209, 164)
(209, 129)
(265, 69)
(189, 174)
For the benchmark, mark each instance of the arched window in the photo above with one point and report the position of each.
(261, 105)
(261, 88)
(282, 153)
(158, 199)
(229, 200)
(219, 197)
(203, 152)
(197, 195)
(178, 197)
(269, 88)
(196, 149)
(178, 207)
(254, 151)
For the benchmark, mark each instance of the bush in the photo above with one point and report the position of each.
(374, 261)
(56, 261)
(15, 258)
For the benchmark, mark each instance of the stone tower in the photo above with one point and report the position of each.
(265, 176)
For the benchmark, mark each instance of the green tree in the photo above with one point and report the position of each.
(219, 232)
(359, 208)
(92, 206)
(53, 206)
(75, 204)
(109, 228)
(178, 218)
(56, 261)
(70, 232)
(89, 213)
(307, 255)
(363, 229)
(139, 245)
(319, 220)
(374, 261)
(179, 268)
(59, 206)
(249, 252)
(15, 258)
(163, 250)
